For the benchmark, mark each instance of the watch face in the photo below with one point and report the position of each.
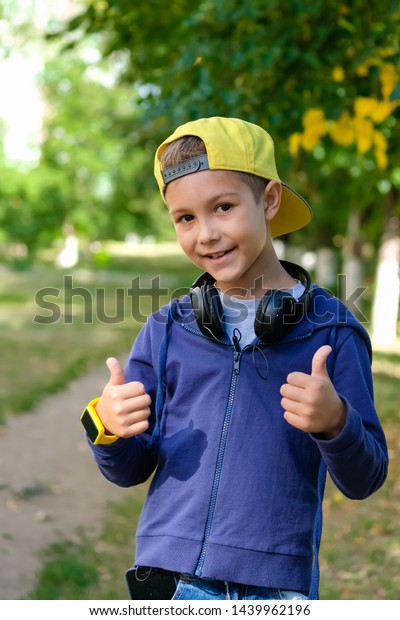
(90, 426)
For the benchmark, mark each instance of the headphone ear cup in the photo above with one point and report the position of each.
(215, 311)
(207, 307)
(270, 324)
(196, 300)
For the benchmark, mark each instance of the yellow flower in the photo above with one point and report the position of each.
(386, 51)
(381, 159)
(295, 143)
(364, 106)
(388, 77)
(312, 116)
(362, 70)
(378, 111)
(314, 122)
(380, 140)
(342, 130)
(309, 140)
(364, 143)
(382, 110)
(338, 74)
(315, 126)
(364, 131)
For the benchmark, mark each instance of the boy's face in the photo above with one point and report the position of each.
(222, 228)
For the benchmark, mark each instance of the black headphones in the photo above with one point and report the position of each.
(277, 313)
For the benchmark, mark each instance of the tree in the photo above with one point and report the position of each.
(272, 63)
(105, 194)
(357, 142)
(267, 61)
(88, 174)
(321, 75)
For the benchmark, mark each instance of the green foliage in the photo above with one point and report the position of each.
(166, 63)
(265, 61)
(90, 172)
(100, 176)
(268, 62)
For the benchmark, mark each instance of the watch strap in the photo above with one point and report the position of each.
(94, 426)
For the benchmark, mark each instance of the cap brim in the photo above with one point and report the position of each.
(294, 213)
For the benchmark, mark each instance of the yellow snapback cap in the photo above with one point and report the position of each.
(236, 145)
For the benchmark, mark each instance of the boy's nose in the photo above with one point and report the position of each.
(208, 232)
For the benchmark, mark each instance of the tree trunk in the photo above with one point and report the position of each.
(385, 308)
(325, 268)
(350, 280)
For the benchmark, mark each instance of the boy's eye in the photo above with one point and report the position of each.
(223, 208)
(185, 218)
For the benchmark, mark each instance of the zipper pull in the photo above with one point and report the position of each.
(236, 340)
(238, 352)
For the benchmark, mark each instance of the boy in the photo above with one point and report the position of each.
(227, 395)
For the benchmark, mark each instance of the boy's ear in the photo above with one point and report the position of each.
(272, 199)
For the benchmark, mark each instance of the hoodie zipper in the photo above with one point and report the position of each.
(237, 356)
(221, 453)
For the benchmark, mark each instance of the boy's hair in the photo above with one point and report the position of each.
(191, 146)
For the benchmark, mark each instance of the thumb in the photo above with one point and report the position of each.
(117, 376)
(318, 367)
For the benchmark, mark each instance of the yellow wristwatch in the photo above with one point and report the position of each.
(94, 426)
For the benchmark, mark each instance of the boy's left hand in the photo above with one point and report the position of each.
(311, 402)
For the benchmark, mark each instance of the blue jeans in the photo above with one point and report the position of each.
(191, 589)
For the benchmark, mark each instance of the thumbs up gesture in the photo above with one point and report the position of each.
(123, 407)
(311, 402)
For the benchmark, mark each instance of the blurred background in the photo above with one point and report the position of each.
(89, 88)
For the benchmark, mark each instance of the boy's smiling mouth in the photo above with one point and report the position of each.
(220, 254)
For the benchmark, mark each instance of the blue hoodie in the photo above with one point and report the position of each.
(235, 493)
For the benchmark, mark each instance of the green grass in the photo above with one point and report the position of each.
(55, 326)
(360, 556)
(87, 569)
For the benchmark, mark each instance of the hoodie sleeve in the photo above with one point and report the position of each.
(357, 459)
(131, 461)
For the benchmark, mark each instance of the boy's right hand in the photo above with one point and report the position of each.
(123, 408)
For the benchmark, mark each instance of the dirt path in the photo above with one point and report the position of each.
(49, 483)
